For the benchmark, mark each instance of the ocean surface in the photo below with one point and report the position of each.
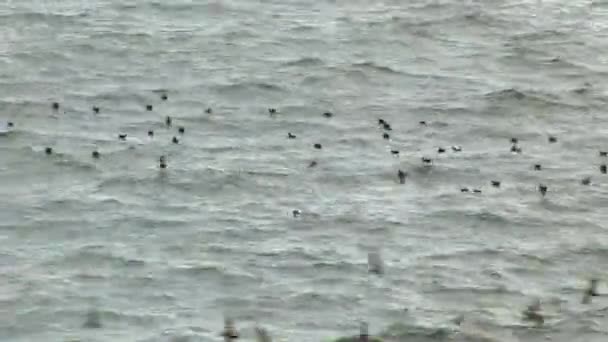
(165, 255)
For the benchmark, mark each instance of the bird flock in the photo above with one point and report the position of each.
(375, 265)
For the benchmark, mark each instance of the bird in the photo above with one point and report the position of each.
(586, 181)
(149, 108)
(537, 167)
(552, 139)
(181, 130)
(385, 136)
(168, 121)
(317, 146)
(603, 168)
(395, 152)
(312, 163)
(422, 123)
(230, 333)
(440, 150)
(542, 189)
(296, 212)
(495, 183)
(591, 291)
(48, 150)
(122, 136)
(95, 154)
(401, 176)
(175, 140)
(164, 97)
(162, 162)
(427, 161)
(96, 110)
(603, 153)
(55, 105)
(328, 114)
(291, 136)
(272, 111)
(456, 148)
(208, 110)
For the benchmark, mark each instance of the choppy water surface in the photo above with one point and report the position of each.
(164, 255)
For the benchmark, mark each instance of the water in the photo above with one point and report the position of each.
(163, 256)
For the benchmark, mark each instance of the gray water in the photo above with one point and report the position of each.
(164, 255)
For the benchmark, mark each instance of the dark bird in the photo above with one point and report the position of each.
(542, 189)
(464, 189)
(10, 124)
(168, 121)
(515, 149)
(374, 263)
(514, 141)
(586, 181)
(422, 123)
(533, 314)
(229, 332)
(552, 139)
(456, 148)
(328, 114)
(96, 110)
(387, 127)
(591, 291)
(603, 168)
(440, 150)
(149, 108)
(386, 136)
(603, 153)
(122, 136)
(401, 176)
(395, 152)
(318, 146)
(312, 163)
(150, 133)
(162, 162)
(290, 136)
(48, 150)
(208, 111)
(427, 161)
(95, 154)
(538, 167)
(175, 140)
(164, 97)
(272, 111)
(181, 130)
(477, 191)
(55, 105)
(296, 212)
(495, 183)
(381, 122)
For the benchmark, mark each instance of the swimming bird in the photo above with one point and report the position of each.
(495, 183)
(149, 108)
(591, 291)
(168, 121)
(164, 97)
(456, 148)
(395, 152)
(514, 141)
(328, 114)
(181, 130)
(537, 167)
(586, 181)
(175, 140)
(381, 122)
(122, 136)
(427, 161)
(440, 150)
(477, 191)
(95, 154)
(48, 150)
(464, 189)
(296, 212)
(422, 123)
(93, 320)
(387, 127)
(312, 163)
(603, 168)
(542, 189)
(208, 110)
(162, 162)
(552, 139)
(374, 263)
(230, 333)
(10, 124)
(533, 314)
(603, 153)
(56, 105)
(150, 133)
(318, 146)
(401, 176)
(386, 136)
(272, 111)
(515, 149)
(290, 136)
(95, 109)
